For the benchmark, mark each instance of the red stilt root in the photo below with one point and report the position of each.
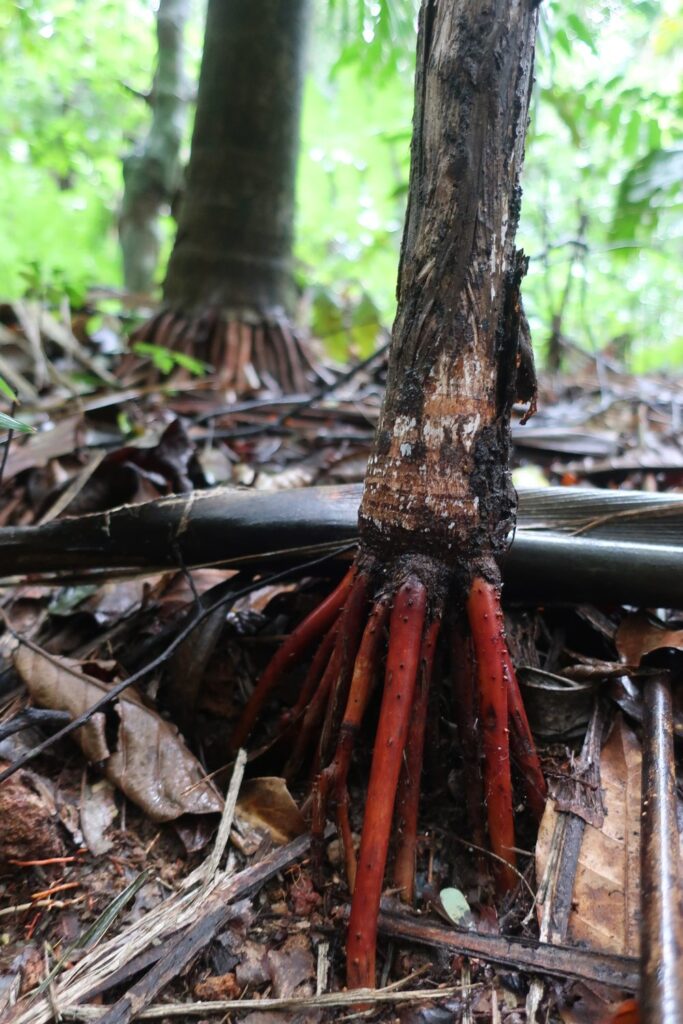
(405, 640)
(466, 694)
(336, 676)
(486, 622)
(296, 644)
(408, 798)
(333, 779)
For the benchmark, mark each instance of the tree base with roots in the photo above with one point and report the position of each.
(438, 505)
(246, 354)
(406, 606)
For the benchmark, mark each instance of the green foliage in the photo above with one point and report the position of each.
(607, 115)
(166, 360)
(375, 37)
(10, 423)
(348, 321)
(653, 184)
(7, 390)
(604, 150)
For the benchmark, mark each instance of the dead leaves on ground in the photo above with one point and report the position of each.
(267, 805)
(606, 892)
(137, 750)
(605, 912)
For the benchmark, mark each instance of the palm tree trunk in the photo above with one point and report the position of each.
(229, 290)
(235, 232)
(438, 480)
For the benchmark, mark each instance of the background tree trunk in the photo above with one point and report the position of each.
(152, 172)
(234, 245)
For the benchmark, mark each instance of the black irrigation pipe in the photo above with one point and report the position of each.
(570, 545)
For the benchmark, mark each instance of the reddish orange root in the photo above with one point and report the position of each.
(332, 703)
(335, 677)
(405, 639)
(333, 779)
(295, 646)
(522, 743)
(408, 798)
(466, 693)
(486, 622)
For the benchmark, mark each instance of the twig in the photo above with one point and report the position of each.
(116, 690)
(30, 717)
(214, 908)
(223, 834)
(8, 441)
(519, 954)
(97, 455)
(660, 888)
(332, 999)
(158, 935)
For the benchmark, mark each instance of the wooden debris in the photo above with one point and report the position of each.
(519, 954)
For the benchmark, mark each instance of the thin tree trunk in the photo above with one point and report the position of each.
(234, 245)
(151, 173)
(438, 481)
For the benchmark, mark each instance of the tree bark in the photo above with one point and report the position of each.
(438, 481)
(233, 250)
(151, 173)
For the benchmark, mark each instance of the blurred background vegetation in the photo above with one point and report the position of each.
(602, 217)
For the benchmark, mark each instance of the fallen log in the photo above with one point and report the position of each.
(570, 544)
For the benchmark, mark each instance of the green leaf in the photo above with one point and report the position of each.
(7, 390)
(632, 134)
(563, 41)
(165, 359)
(581, 31)
(658, 175)
(9, 423)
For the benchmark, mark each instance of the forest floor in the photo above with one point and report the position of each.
(118, 889)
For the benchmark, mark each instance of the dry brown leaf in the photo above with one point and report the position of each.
(218, 986)
(149, 761)
(292, 967)
(98, 811)
(267, 804)
(638, 635)
(606, 897)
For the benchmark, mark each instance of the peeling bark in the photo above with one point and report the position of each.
(438, 480)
